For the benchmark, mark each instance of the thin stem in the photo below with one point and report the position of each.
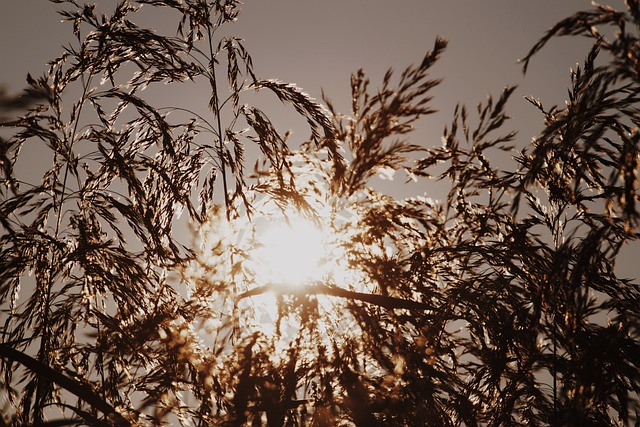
(216, 106)
(45, 338)
(555, 355)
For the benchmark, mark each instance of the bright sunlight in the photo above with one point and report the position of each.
(291, 251)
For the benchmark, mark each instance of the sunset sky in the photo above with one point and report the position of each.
(318, 44)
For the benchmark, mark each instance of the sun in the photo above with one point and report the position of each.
(290, 251)
(269, 272)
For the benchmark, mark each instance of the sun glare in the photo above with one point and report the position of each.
(279, 265)
(290, 251)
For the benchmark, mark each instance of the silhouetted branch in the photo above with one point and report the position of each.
(82, 391)
(388, 302)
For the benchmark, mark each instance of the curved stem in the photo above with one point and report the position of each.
(216, 106)
(43, 383)
(384, 301)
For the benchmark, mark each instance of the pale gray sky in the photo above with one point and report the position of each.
(317, 44)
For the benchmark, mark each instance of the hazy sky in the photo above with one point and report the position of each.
(318, 44)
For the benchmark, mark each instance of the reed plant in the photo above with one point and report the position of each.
(129, 286)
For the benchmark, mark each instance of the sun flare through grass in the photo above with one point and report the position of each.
(290, 252)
